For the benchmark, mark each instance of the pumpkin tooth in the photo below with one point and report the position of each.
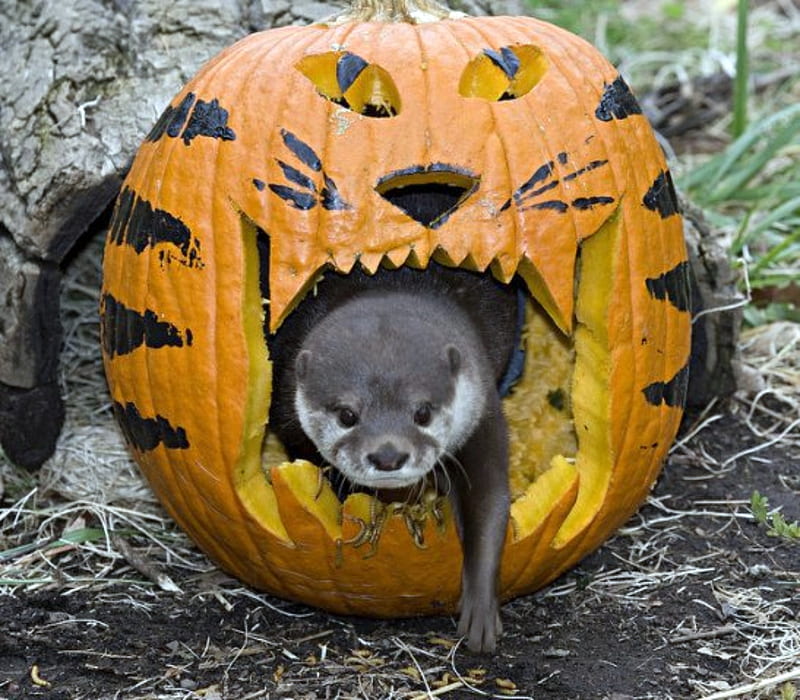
(419, 256)
(442, 256)
(370, 262)
(504, 267)
(397, 257)
(540, 291)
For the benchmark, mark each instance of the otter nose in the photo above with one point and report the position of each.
(387, 458)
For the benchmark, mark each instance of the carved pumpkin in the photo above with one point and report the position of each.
(290, 154)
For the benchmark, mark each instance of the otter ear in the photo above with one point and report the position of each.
(453, 359)
(301, 364)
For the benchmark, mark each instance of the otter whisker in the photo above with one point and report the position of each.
(452, 459)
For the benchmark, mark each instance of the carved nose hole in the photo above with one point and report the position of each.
(430, 194)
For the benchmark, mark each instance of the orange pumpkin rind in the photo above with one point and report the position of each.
(259, 169)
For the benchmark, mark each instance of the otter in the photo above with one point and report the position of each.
(392, 379)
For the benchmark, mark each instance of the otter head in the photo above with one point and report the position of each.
(385, 390)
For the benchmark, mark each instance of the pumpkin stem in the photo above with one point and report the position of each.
(413, 11)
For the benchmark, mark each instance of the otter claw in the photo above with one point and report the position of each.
(480, 624)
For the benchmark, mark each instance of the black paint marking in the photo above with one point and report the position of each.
(306, 195)
(505, 59)
(539, 175)
(584, 203)
(549, 205)
(295, 176)
(208, 119)
(147, 433)
(671, 393)
(299, 200)
(544, 179)
(673, 285)
(260, 185)
(332, 200)
(592, 166)
(135, 223)
(661, 196)
(302, 150)
(172, 119)
(348, 68)
(617, 102)
(124, 329)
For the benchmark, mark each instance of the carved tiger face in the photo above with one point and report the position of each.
(497, 144)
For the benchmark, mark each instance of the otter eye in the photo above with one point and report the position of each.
(423, 415)
(347, 417)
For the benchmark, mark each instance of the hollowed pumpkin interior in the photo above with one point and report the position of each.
(558, 415)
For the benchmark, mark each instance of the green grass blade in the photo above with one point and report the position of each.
(740, 92)
(704, 181)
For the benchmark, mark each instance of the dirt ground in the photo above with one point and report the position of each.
(658, 612)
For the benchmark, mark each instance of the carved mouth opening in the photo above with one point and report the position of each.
(428, 194)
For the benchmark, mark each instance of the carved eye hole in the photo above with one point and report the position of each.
(350, 81)
(504, 74)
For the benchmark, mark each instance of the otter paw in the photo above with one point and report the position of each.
(480, 624)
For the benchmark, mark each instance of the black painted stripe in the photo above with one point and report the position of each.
(332, 200)
(617, 102)
(541, 174)
(148, 433)
(505, 59)
(661, 196)
(299, 200)
(137, 224)
(593, 165)
(584, 203)
(673, 285)
(208, 119)
(549, 205)
(125, 330)
(172, 119)
(348, 68)
(302, 150)
(295, 176)
(671, 393)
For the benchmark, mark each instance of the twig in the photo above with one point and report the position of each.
(439, 691)
(753, 687)
(708, 634)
